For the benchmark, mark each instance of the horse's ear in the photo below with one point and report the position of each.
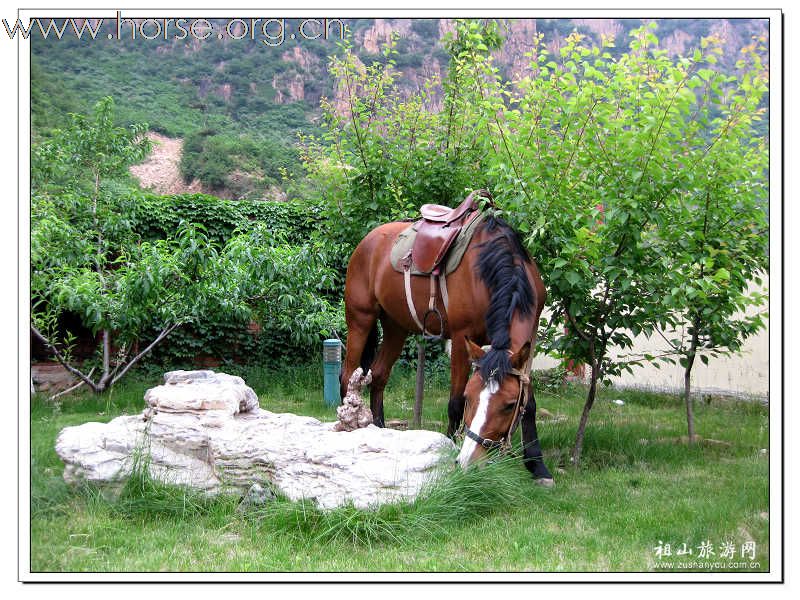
(521, 356)
(474, 351)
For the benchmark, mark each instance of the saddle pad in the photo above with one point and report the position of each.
(405, 240)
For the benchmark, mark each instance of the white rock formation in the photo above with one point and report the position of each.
(205, 430)
(353, 413)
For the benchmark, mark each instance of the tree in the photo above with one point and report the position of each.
(589, 156)
(715, 248)
(86, 259)
(75, 232)
(384, 153)
(719, 257)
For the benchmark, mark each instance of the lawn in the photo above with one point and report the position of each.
(639, 488)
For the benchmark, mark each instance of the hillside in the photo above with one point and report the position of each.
(239, 104)
(160, 172)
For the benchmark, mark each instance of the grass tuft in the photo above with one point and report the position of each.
(453, 499)
(143, 496)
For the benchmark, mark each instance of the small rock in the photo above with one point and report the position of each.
(200, 392)
(618, 402)
(256, 496)
(711, 442)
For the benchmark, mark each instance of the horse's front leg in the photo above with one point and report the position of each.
(532, 450)
(459, 374)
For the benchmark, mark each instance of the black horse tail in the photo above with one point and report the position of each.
(370, 349)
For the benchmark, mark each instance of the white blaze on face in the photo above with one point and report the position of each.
(478, 421)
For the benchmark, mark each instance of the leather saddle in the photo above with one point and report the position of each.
(439, 227)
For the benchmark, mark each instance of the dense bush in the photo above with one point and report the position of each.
(157, 216)
(241, 164)
(231, 338)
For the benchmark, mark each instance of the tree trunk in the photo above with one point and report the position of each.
(576, 451)
(687, 380)
(687, 395)
(420, 388)
(102, 382)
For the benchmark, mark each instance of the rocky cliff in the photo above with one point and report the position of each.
(421, 54)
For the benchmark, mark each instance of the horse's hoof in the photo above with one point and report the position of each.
(545, 482)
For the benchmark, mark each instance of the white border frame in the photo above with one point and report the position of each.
(776, 290)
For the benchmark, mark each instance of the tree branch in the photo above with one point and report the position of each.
(69, 389)
(658, 131)
(578, 141)
(671, 345)
(61, 359)
(164, 333)
(578, 330)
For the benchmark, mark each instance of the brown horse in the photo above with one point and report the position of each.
(496, 296)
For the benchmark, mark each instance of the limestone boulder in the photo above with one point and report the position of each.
(205, 430)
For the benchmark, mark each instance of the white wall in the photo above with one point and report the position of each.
(745, 373)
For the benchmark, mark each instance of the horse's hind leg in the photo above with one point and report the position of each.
(361, 339)
(394, 336)
(532, 450)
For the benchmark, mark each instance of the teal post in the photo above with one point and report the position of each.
(331, 365)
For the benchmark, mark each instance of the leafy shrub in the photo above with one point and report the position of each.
(287, 325)
(242, 164)
(158, 215)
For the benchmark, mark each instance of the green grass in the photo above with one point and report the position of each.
(638, 485)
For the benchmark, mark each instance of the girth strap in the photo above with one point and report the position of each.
(443, 288)
(410, 297)
(436, 275)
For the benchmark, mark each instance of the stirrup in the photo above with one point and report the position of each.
(432, 337)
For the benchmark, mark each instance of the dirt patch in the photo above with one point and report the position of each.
(51, 378)
(160, 171)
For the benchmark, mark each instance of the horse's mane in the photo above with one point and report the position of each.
(502, 268)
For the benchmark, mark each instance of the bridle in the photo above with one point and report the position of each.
(519, 410)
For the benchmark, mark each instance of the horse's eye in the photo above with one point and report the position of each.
(509, 407)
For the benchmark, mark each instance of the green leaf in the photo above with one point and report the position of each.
(722, 275)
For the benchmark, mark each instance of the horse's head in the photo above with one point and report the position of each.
(494, 399)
